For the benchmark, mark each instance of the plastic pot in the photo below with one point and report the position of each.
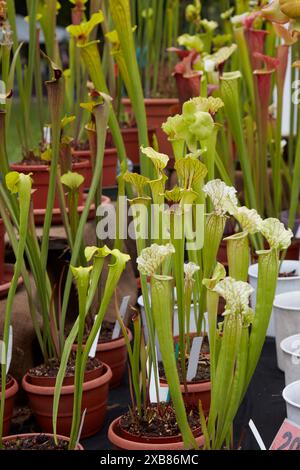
(10, 393)
(284, 284)
(40, 177)
(194, 391)
(131, 141)
(158, 110)
(193, 325)
(114, 353)
(290, 348)
(287, 320)
(291, 395)
(120, 442)
(94, 400)
(109, 170)
(26, 436)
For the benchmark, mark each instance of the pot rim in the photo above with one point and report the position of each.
(284, 297)
(67, 389)
(43, 168)
(279, 279)
(284, 348)
(12, 389)
(287, 399)
(63, 438)
(154, 101)
(133, 445)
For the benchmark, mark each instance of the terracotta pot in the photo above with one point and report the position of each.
(63, 438)
(158, 110)
(114, 353)
(50, 381)
(2, 250)
(194, 391)
(131, 141)
(40, 176)
(119, 442)
(10, 393)
(94, 399)
(110, 162)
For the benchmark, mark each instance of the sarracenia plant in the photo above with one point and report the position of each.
(236, 344)
(121, 15)
(90, 55)
(37, 255)
(150, 263)
(87, 280)
(177, 223)
(18, 184)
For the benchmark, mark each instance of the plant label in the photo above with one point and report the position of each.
(194, 358)
(81, 427)
(6, 358)
(9, 349)
(257, 436)
(123, 310)
(163, 392)
(288, 437)
(93, 349)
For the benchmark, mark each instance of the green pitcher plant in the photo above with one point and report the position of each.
(17, 184)
(87, 280)
(36, 252)
(236, 343)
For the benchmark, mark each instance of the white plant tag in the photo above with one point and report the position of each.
(47, 134)
(194, 358)
(162, 391)
(9, 350)
(2, 92)
(257, 436)
(93, 349)
(3, 358)
(123, 309)
(298, 233)
(80, 427)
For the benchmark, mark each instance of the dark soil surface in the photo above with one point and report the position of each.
(106, 332)
(51, 369)
(290, 274)
(203, 371)
(40, 442)
(156, 422)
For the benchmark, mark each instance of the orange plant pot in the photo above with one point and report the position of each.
(120, 442)
(94, 400)
(157, 111)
